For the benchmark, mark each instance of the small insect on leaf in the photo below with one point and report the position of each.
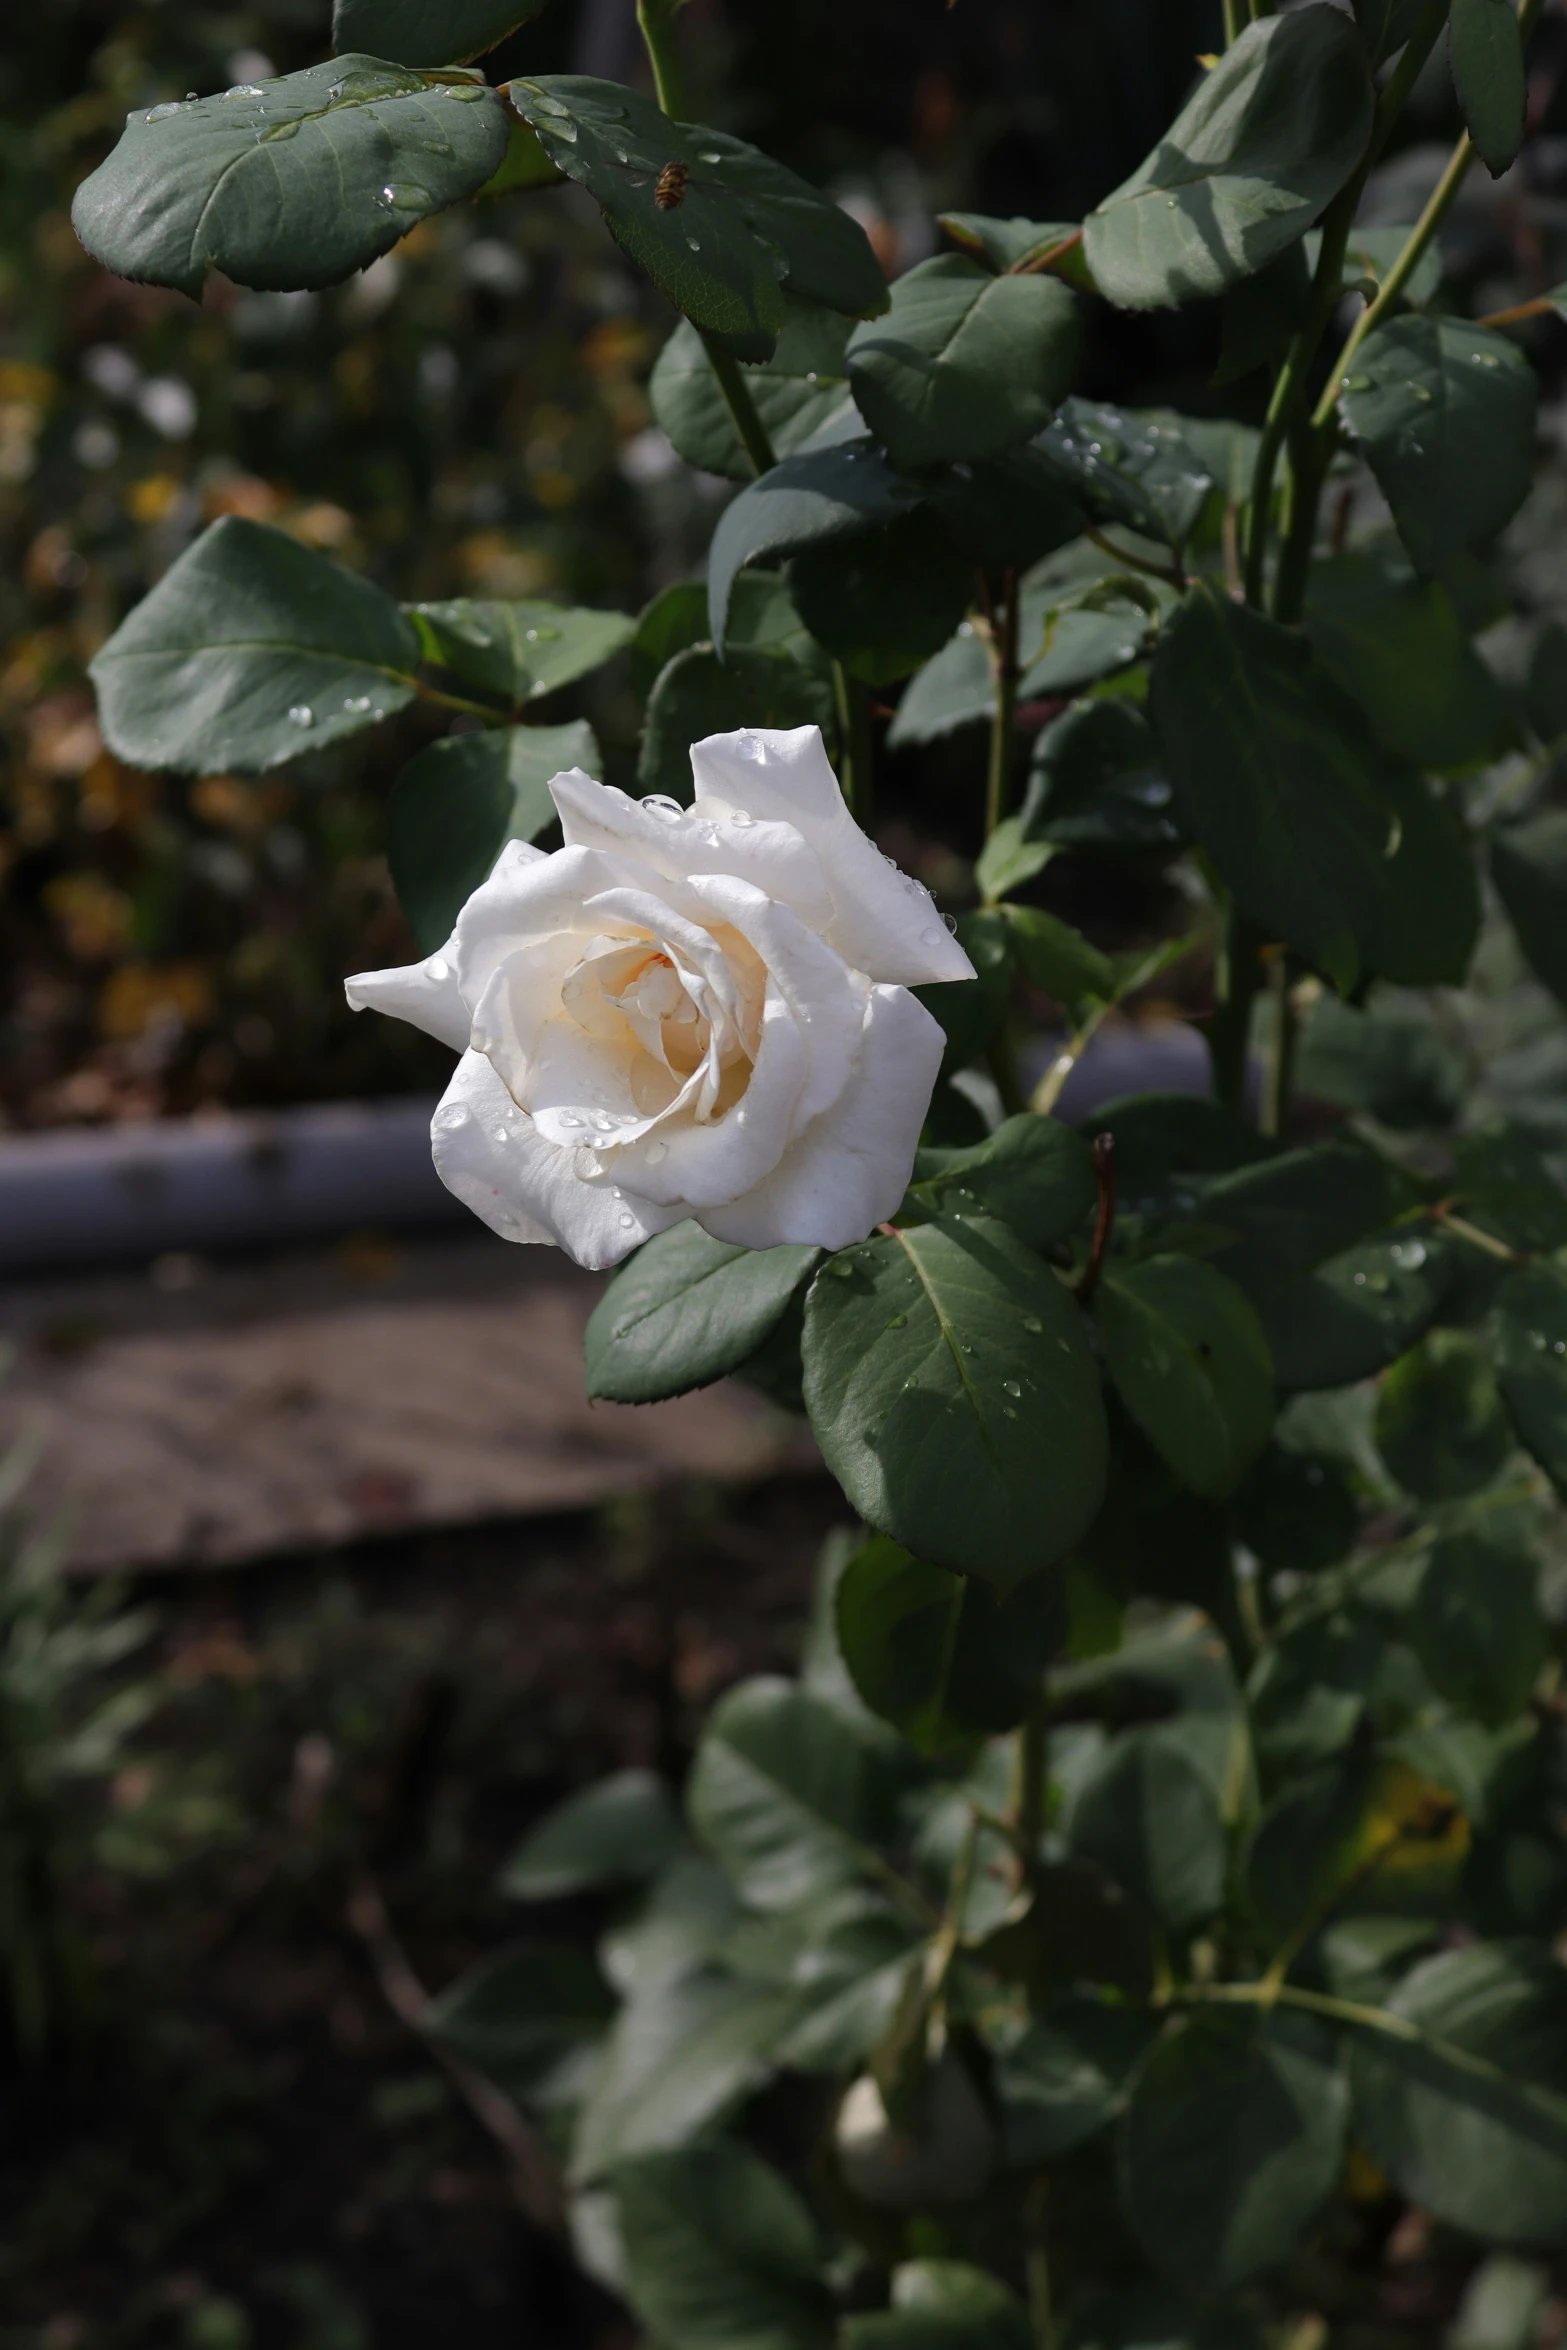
(672, 183)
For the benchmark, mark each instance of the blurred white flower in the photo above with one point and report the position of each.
(699, 1013)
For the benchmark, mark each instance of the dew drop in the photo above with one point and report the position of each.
(930, 937)
(449, 1117)
(666, 810)
(162, 113)
(628, 1223)
(751, 746)
(301, 715)
(569, 1118)
(656, 1151)
(1007, 1413)
(358, 704)
(501, 1134)
(466, 92)
(695, 244)
(1010, 1387)
(741, 821)
(708, 157)
(406, 196)
(438, 967)
(243, 90)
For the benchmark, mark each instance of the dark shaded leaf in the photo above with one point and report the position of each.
(518, 2014)
(1097, 782)
(887, 599)
(1508, 1188)
(1036, 1175)
(1440, 1425)
(250, 650)
(1476, 1625)
(1444, 412)
(1233, 2142)
(684, 2050)
(1011, 244)
(1531, 1362)
(1066, 2075)
(1529, 867)
(1324, 842)
(812, 499)
(456, 805)
(293, 183)
(1150, 1818)
(951, 1389)
(939, 1655)
(1272, 134)
(1190, 1362)
(427, 32)
(1136, 470)
(943, 2305)
(701, 694)
(516, 653)
(1395, 643)
(1357, 1312)
(1485, 48)
(1298, 1511)
(1389, 1061)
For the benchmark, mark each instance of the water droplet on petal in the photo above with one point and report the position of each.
(438, 967)
(666, 810)
(569, 1118)
(741, 821)
(628, 1223)
(751, 746)
(656, 1151)
(449, 1117)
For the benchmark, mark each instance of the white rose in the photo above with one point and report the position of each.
(686, 1014)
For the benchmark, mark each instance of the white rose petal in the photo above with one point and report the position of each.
(679, 1014)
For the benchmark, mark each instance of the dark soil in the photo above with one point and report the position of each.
(247, 2146)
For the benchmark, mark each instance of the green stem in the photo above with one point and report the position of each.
(1310, 459)
(742, 408)
(1289, 392)
(1229, 1031)
(1003, 722)
(656, 23)
(1281, 1058)
(444, 701)
(1233, 21)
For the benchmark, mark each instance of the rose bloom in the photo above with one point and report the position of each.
(699, 1013)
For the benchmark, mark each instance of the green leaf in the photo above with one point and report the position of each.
(1058, 960)
(1008, 861)
(621, 1828)
(1084, 644)
(515, 653)
(1318, 1839)
(518, 2014)
(858, 1974)
(1165, 1143)
(1466, 2108)
(1007, 512)
(1531, 1362)
(744, 228)
(1097, 783)
(1271, 135)
(1391, 1062)
(965, 364)
(1357, 1312)
(951, 1389)
(1476, 1625)
(1136, 470)
(1012, 244)
(943, 2305)
(460, 800)
(685, 1311)
(1035, 1174)
(813, 499)
(1508, 1189)
(968, 1009)
(885, 601)
(1485, 49)
(1444, 413)
(685, 2049)
(957, 688)
(1190, 1362)
(293, 183)
(788, 1795)
(1529, 868)
(1387, 24)
(1233, 2142)
(1066, 2075)
(720, 2253)
(250, 650)
(1149, 1817)
(939, 1655)
(1324, 842)
(761, 614)
(1394, 642)
(803, 384)
(701, 693)
(524, 165)
(1440, 1425)
(427, 32)
(1298, 1511)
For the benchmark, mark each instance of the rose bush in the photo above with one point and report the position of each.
(699, 1014)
